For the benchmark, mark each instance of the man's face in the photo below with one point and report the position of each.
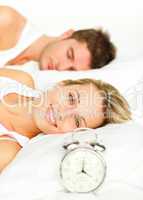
(67, 54)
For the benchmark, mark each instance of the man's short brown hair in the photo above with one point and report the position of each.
(99, 45)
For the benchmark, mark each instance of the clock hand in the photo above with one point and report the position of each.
(83, 169)
(89, 175)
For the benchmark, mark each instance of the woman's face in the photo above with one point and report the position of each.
(65, 108)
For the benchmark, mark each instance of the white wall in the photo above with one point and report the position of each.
(122, 19)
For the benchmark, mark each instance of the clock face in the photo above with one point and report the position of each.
(82, 170)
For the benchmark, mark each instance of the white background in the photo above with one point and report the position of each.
(122, 19)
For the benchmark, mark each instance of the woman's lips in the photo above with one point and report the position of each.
(50, 115)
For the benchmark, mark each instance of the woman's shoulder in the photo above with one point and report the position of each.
(8, 151)
(18, 75)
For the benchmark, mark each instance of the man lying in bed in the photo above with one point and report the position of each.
(74, 50)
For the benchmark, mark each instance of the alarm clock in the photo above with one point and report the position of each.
(83, 167)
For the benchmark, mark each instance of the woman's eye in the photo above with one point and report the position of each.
(72, 99)
(77, 122)
(69, 55)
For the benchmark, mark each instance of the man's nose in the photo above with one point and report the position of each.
(65, 65)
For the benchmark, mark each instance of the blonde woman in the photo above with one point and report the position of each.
(25, 112)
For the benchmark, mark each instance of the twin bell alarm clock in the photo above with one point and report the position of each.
(83, 167)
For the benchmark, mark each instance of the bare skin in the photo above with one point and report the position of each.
(9, 17)
(51, 52)
(8, 148)
(8, 151)
(70, 109)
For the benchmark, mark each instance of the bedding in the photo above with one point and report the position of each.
(127, 77)
(34, 174)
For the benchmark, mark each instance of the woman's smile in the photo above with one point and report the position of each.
(50, 115)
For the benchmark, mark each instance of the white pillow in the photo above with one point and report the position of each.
(122, 75)
(127, 77)
(35, 171)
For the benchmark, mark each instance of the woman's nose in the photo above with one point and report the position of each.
(66, 112)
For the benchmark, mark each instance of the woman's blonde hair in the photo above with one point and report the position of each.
(115, 107)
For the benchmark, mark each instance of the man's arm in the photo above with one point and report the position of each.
(11, 26)
(8, 151)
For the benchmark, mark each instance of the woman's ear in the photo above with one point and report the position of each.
(67, 34)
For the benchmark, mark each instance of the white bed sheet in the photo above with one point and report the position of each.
(34, 174)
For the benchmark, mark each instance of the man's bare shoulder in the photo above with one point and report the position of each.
(8, 15)
(11, 25)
